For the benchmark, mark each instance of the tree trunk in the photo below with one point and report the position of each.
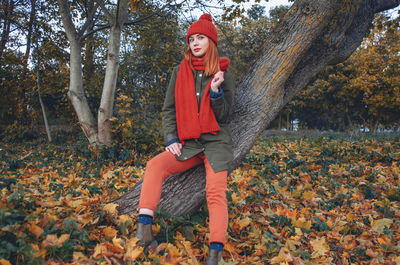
(8, 10)
(46, 123)
(287, 121)
(30, 30)
(110, 80)
(77, 96)
(313, 34)
(280, 121)
(75, 91)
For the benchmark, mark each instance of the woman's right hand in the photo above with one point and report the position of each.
(174, 148)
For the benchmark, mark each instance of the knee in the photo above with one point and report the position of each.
(155, 163)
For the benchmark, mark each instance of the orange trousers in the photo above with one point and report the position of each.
(164, 165)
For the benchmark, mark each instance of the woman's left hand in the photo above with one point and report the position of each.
(217, 81)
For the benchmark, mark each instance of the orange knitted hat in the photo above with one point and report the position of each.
(203, 26)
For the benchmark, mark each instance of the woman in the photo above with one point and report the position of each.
(197, 106)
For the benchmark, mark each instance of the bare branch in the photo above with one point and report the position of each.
(95, 30)
(89, 20)
(149, 16)
(104, 9)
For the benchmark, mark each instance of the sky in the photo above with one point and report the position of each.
(196, 13)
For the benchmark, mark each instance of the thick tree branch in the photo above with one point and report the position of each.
(69, 26)
(382, 5)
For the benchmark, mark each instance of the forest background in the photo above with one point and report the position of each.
(361, 93)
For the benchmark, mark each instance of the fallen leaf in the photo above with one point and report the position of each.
(371, 253)
(36, 230)
(109, 232)
(53, 241)
(283, 256)
(244, 222)
(379, 225)
(320, 247)
(4, 262)
(111, 209)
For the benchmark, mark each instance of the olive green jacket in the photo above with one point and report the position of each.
(217, 148)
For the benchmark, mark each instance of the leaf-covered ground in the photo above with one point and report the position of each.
(306, 200)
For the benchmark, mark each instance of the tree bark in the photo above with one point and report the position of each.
(30, 30)
(8, 11)
(313, 34)
(75, 91)
(110, 80)
(46, 123)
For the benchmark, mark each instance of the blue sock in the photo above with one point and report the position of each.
(217, 246)
(145, 219)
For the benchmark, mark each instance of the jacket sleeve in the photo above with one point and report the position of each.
(222, 105)
(168, 111)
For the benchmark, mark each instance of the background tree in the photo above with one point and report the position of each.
(360, 92)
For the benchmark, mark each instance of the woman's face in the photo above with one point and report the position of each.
(198, 44)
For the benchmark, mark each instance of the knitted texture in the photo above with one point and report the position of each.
(203, 26)
(190, 122)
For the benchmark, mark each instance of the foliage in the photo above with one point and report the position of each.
(363, 91)
(327, 199)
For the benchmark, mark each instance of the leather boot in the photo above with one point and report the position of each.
(145, 235)
(214, 257)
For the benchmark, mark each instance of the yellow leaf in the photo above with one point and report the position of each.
(63, 238)
(74, 204)
(133, 251)
(308, 195)
(125, 218)
(118, 242)
(302, 223)
(40, 254)
(132, 254)
(320, 247)
(244, 222)
(379, 225)
(4, 262)
(52, 240)
(109, 232)
(188, 249)
(101, 250)
(36, 230)
(292, 244)
(111, 209)
(284, 256)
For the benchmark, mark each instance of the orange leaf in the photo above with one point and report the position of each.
(4, 262)
(371, 253)
(384, 240)
(109, 232)
(36, 230)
